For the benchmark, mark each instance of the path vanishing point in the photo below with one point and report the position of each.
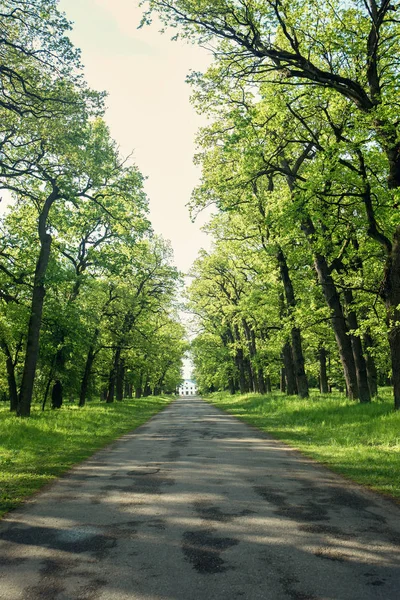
(195, 505)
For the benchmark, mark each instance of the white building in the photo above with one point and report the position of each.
(188, 388)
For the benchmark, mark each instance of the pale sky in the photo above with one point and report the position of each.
(148, 111)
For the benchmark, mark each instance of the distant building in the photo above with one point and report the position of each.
(188, 388)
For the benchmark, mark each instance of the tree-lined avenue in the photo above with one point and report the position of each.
(196, 505)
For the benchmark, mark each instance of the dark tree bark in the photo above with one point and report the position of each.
(111, 387)
(242, 376)
(250, 378)
(86, 376)
(138, 392)
(57, 395)
(323, 376)
(49, 382)
(127, 389)
(289, 369)
(240, 362)
(359, 360)
(262, 387)
(282, 385)
(231, 385)
(298, 356)
(391, 294)
(35, 320)
(268, 384)
(11, 380)
(372, 372)
(114, 374)
(251, 344)
(339, 324)
(119, 384)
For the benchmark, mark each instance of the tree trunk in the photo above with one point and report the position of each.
(323, 376)
(35, 319)
(282, 384)
(298, 356)
(12, 384)
(86, 376)
(240, 366)
(251, 344)
(111, 387)
(338, 320)
(359, 360)
(138, 392)
(372, 373)
(119, 385)
(238, 361)
(57, 395)
(268, 384)
(289, 370)
(392, 301)
(241, 363)
(49, 382)
(339, 324)
(113, 375)
(250, 379)
(261, 381)
(298, 363)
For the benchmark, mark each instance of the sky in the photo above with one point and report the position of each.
(148, 107)
(148, 110)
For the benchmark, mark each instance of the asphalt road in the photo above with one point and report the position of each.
(196, 505)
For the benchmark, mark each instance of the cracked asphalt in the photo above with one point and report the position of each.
(195, 505)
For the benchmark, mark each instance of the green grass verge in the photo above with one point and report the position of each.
(36, 450)
(359, 441)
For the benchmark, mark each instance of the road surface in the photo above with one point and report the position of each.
(195, 505)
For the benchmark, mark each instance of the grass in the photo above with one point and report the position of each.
(36, 450)
(359, 441)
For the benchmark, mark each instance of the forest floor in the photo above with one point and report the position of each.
(196, 504)
(36, 450)
(359, 441)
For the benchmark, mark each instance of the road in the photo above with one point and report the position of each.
(195, 505)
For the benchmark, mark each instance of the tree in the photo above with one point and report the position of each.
(344, 54)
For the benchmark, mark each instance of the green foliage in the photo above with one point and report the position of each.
(80, 268)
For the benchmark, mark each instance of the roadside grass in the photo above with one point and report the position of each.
(36, 450)
(359, 441)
